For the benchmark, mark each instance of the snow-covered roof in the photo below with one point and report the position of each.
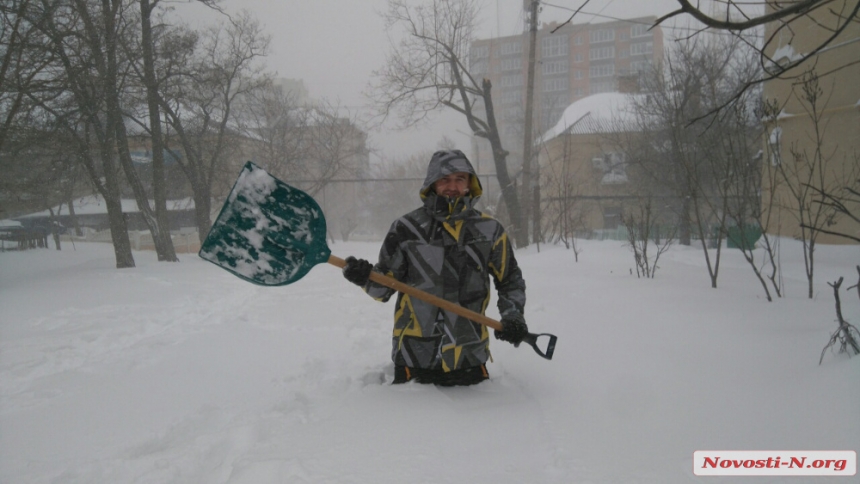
(94, 204)
(598, 113)
(9, 223)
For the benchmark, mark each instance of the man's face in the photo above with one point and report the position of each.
(453, 185)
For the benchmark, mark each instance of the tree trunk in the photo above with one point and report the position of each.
(202, 208)
(74, 218)
(509, 191)
(160, 234)
(684, 237)
(168, 252)
(113, 203)
(55, 234)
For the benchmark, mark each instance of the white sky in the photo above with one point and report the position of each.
(334, 45)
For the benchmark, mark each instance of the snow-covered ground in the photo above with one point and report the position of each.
(182, 373)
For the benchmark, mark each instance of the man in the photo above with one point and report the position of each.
(451, 250)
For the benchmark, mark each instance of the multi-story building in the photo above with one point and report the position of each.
(571, 62)
(813, 152)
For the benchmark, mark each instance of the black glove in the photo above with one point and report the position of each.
(357, 271)
(514, 329)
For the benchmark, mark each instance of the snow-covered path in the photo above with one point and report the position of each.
(181, 373)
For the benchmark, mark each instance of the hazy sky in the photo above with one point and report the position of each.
(334, 45)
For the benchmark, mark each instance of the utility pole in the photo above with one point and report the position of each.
(528, 189)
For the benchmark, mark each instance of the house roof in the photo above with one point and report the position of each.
(599, 113)
(94, 204)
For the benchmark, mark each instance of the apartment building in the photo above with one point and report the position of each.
(572, 61)
(810, 151)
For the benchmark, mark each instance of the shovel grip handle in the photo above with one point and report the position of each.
(424, 296)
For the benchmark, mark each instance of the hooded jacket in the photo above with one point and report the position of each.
(451, 250)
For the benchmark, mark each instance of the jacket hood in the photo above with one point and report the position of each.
(447, 162)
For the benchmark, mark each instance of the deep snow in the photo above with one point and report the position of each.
(183, 373)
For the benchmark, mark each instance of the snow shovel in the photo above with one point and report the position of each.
(272, 234)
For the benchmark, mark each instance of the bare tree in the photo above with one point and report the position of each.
(150, 82)
(643, 230)
(565, 213)
(769, 111)
(784, 20)
(276, 119)
(740, 187)
(22, 45)
(812, 169)
(335, 146)
(73, 97)
(86, 38)
(40, 171)
(846, 334)
(23, 61)
(104, 26)
(198, 103)
(429, 70)
(310, 145)
(694, 152)
(844, 201)
(146, 72)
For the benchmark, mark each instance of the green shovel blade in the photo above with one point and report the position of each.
(268, 232)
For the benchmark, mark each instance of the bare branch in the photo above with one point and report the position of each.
(571, 17)
(797, 8)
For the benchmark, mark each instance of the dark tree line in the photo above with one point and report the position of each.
(84, 84)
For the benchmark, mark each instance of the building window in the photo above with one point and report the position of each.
(512, 48)
(577, 57)
(480, 52)
(509, 97)
(557, 67)
(577, 91)
(605, 70)
(602, 35)
(577, 74)
(479, 66)
(599, 87)
(577, 40)
(512, 64)
(623, 54)
(548, 102)
(599, 53)
(613, 167)
(642, 48)
(512, 80)
(639, 31)
(554, 46)
(611, 217)
(640, 66)
(555, 84)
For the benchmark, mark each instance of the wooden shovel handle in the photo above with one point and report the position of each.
(424, 296)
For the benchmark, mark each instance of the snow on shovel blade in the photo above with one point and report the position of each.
(268, 232)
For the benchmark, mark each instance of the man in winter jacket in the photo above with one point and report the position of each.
(451, 250)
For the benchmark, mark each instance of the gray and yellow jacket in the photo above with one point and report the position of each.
(451, 250)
